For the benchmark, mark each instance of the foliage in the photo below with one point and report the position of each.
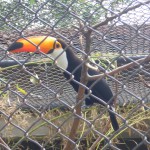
(62, 13)
(56, 116)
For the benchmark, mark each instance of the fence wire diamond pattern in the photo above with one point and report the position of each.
(46, 106)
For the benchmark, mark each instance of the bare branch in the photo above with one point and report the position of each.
(80, 96)
(76, 121)
(4, 144)
(76, 27)
(118, 15)
(105, 129)
(92, 67)
(119, 69)
(144, 82)
(81, 41)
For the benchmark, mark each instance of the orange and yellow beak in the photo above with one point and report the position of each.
(34, 44)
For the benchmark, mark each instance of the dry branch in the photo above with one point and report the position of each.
(99, 138)
(4, 144)
(80, 96)
(105, 22)
(85, 77)
(144, 82)
(119, 69)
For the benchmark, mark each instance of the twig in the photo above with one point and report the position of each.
(80, 96)
(119, 69)
(92, 67)
(145, 83)
(107, 124)
(118, 15)
(4, 144)
(85, 77)
(99, 138)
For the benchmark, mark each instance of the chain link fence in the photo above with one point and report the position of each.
(39, 108)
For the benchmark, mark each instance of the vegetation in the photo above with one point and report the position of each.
(134, 113)
(24, 15)
(22, 119)
(28, 14)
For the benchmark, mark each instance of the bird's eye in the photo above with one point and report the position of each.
(57, 45)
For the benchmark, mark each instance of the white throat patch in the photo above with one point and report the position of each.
(61, 58)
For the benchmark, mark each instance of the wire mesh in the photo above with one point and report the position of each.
(39, 107)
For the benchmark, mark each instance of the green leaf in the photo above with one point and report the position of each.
(35, 80)
(32, 2)
(21, 90)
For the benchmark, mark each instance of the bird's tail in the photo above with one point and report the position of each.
(113, 118)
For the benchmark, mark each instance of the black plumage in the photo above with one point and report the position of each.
(100, 89)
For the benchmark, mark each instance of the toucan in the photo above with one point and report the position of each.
(66, 59)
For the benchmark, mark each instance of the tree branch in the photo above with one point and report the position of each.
(4, 144)
(80, 96)
(118, 15)
(144, 82)
(119, 69)
(92, 67)
(85, 77)
(105, 129)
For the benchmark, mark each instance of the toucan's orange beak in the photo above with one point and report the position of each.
(34, 44)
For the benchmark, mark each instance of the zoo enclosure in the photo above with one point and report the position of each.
(118, 38)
